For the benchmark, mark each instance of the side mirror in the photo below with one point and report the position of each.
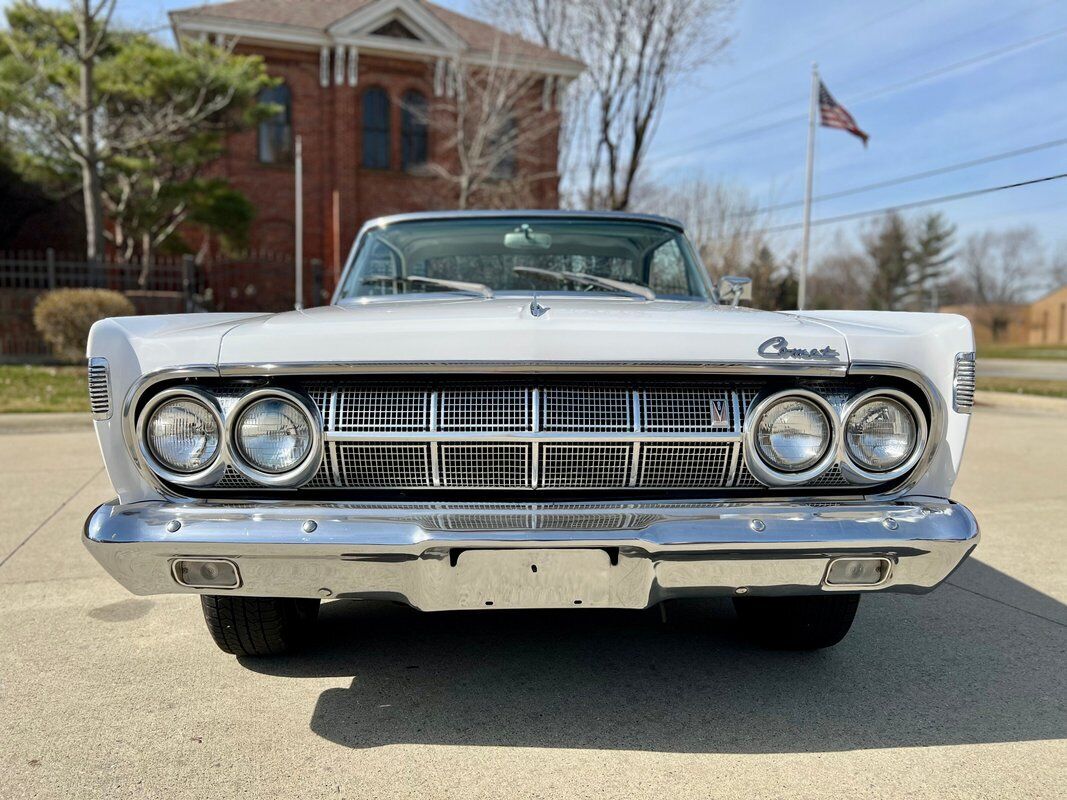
(733, 289)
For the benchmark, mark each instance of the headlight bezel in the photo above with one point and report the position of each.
(304, 470)
(856, 473)
(205, 476)
(767, 473)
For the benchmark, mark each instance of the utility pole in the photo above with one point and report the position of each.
(813, 106)
(299, 293)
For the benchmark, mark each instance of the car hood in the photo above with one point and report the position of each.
(600, 329)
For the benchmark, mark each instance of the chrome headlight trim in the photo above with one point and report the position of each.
(767, 474)
(292, 478)
(204, 477)
(853, 472)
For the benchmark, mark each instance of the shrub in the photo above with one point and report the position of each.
(63, 317)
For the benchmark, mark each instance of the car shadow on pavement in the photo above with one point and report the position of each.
(953, 667)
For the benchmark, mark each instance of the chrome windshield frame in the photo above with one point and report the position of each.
(702, 274)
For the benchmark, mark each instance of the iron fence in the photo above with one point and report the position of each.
(254, 281)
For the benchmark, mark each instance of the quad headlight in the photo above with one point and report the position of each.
(792, 434)
(273, 435)
(183, 434)
(881, 434)
(790, 437)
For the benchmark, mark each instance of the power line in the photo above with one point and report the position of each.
(915, 176)
(869, 95)
(917, 203)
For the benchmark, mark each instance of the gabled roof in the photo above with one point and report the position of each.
(309, 20)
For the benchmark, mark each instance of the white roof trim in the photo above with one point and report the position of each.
(412, 14)
(187, 23)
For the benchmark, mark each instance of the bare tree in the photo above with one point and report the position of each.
(634, 50)
(490, 119)
(723, 221)
(1002, 268)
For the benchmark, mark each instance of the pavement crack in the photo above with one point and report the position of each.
(50, 517)
(1003, 603)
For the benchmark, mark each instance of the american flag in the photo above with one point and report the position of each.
(834, 115)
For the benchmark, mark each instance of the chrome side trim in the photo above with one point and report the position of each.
(99, 388)
(964, 381)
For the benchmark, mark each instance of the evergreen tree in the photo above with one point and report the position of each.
(889, 250)
(931, 261)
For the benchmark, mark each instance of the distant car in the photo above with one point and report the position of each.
(522, 410)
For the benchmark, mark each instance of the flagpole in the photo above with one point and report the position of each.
(813, 105)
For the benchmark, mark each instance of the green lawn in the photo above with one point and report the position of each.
(1023, 386)
(26, 389)
(1019, 351)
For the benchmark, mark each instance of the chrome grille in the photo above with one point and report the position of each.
(99, 388)
(483, 466)
(586, 408)
(686, 409)
(585, 465)
(464, 434)
(393, 465)
(687, 465)
(485, 408)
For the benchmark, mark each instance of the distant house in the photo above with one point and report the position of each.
(353, 75)
(1043, 322)
(1048, 318)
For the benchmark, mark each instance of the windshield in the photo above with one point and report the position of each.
(487, 256)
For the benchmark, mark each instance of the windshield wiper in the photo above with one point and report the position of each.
(592, 280)
(456, 286)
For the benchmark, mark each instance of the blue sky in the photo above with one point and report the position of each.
(997, 104)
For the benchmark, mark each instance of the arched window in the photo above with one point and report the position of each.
(276, 134)
(376, 129)
(414, 125)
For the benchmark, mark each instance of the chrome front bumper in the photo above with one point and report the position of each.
(440, 557)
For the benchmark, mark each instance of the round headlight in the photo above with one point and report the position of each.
(792, 434)
(274, 435)
(183, 435)
(880, 434)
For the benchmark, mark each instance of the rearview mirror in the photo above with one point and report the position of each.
(524, 238)
(733, 289)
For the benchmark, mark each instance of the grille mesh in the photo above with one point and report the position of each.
(585, 465)
(489, 408)
(394, 465)
(686, 410)
(696, 465)
(479, 466)
(586, 408)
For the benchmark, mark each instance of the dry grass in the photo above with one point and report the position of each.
(1016, 351)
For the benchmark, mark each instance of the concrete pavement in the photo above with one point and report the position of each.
(961, 693)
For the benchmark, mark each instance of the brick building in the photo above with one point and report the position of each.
(354, 75)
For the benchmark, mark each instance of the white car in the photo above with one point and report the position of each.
(505, 410)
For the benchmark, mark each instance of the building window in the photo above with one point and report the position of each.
(276, 134)
(414, 126)
(503, 146)
(376, 129)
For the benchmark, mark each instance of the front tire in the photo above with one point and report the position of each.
(807, 622)
(259, 626)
